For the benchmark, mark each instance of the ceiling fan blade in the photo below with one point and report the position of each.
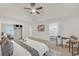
(37, 12)
(27, 8)
(39, 8)
(32, 4)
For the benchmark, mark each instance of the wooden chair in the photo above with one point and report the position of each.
(73, 44)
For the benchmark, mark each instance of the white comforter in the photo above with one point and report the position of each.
(20, 51)
(40, 47)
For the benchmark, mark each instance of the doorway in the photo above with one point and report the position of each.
(53, 32)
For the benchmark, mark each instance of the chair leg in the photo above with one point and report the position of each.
(69, 46)
(72, 50)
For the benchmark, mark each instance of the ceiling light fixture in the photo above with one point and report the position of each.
(33, 10)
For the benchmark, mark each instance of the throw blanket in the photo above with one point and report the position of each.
(7, 48)
(29, 48)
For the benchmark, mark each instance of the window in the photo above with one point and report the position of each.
(9, 29)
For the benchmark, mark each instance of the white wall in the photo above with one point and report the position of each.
(67, 26)
(0, 30)
(16, 21)
(38, 34)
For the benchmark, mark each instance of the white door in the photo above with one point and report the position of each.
(53, 32)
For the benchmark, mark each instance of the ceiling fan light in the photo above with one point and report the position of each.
(33, 10)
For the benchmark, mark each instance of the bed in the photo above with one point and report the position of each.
(40, 47)
(37, 47)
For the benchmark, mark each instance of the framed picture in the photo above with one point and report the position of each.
(41, 27)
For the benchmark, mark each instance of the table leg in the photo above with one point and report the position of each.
(61, 42)
(56, 41)
(72, 49)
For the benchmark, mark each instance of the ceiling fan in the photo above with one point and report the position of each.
(34, 10)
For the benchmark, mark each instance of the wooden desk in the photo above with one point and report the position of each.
(63, 38)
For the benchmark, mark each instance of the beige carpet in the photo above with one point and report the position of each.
(54, 50)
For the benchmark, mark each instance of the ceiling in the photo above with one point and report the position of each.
(49, 11)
